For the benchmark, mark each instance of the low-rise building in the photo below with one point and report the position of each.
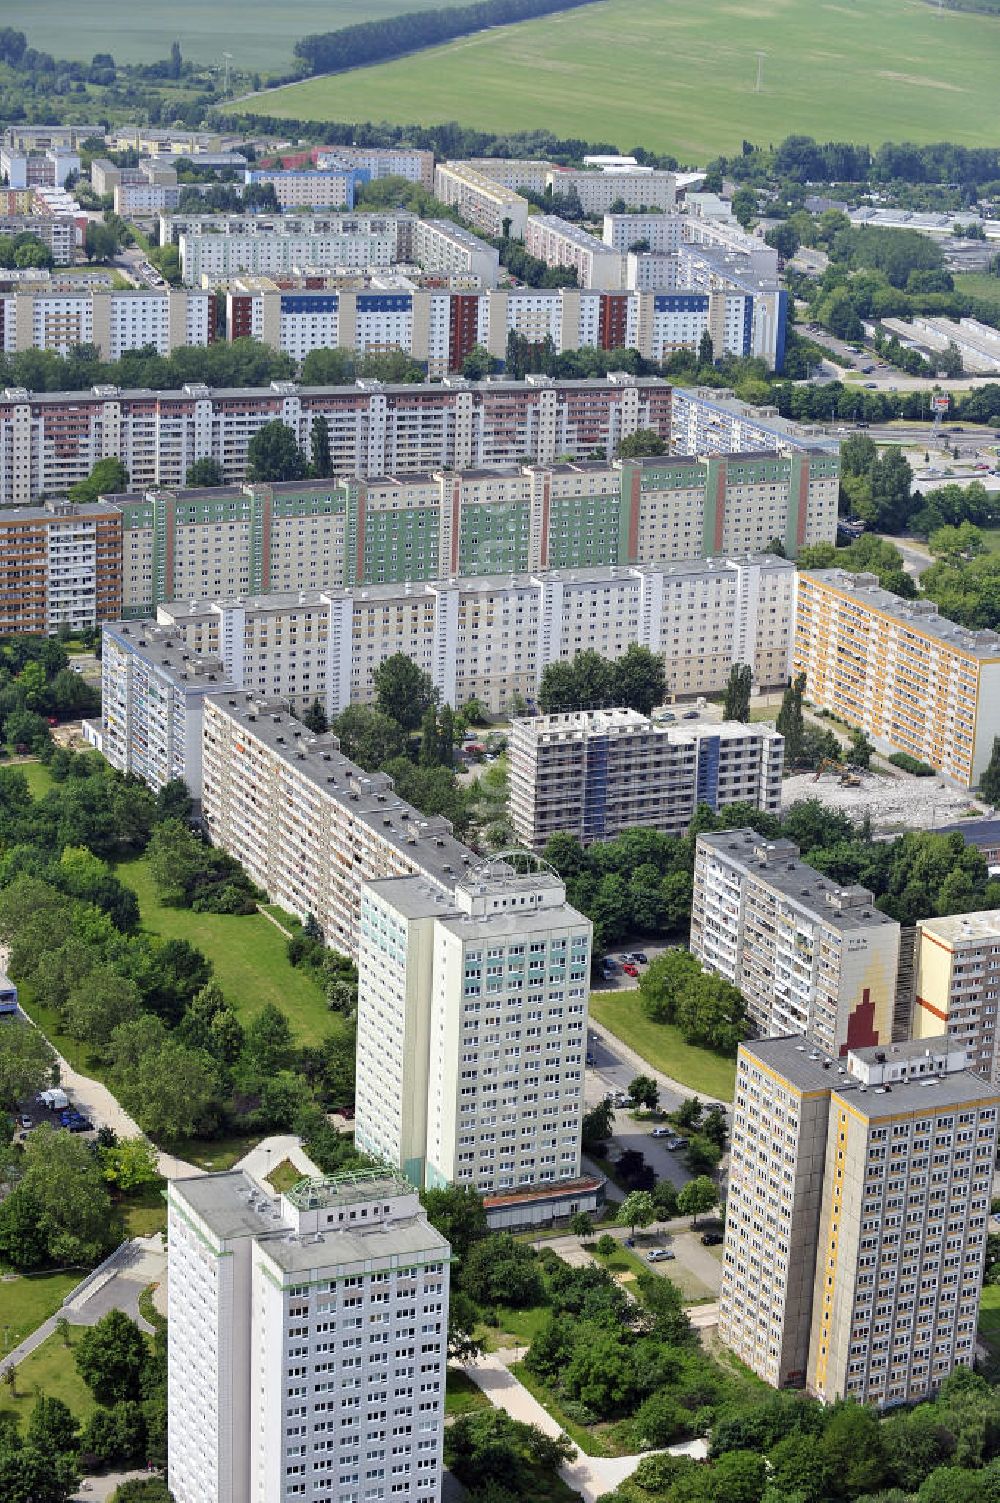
(809, 955)
(912, 680)
(308, 1335)
(596, 773)
(851, 1267)
(599, 189)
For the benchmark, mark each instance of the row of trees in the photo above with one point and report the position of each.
(799, 159)
(36, 683)
(637, 680)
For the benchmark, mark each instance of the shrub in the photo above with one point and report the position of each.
(912, 764)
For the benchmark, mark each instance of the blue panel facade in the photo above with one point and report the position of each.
(680, 302)
(708, 771)
(782, 317)
(595, 788)
(326, 302)
(747, 324)
(384, 302)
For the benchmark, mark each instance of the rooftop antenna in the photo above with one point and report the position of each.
(758, 86)
(227, 59)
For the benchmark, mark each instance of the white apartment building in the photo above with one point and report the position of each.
(309, 825)
(851, 1266)
(957, 985)
(56, 319)
(57, 232)
(472, 1028)
(215, 248)
(441, 245)
(481, 200)
(510, 172)
(318, 188)
(809, 956)
(307, 1346)
(382, 161)
(144, 200)
(912, 680)
(151, 706)
(595, 773)
(488, 638)
(661, 233)
(598, 189)
(557, 242)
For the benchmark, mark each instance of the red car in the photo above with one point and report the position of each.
(630, 969)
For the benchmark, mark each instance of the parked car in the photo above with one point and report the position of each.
(690, 715)
(629, 1241)
(711, 1239)
(661, 1132)
(677, 1142)
(660, 1255)
(26, 1122)
(640, 958)
(590, 1057)
(79, 1124)
(609, 964)
(630, 969)
(621, 1100)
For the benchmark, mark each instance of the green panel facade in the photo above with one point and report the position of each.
(494, 538)
(399, 545)
(587, 530)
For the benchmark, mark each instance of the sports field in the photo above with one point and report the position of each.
(679, 76)
(259, 34)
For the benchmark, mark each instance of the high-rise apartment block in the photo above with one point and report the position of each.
(857, 1213)
(60, 564)
(472, 1029)
(308, 1341)
(809, 955)
(595, 773)
(56, 318)
(558, 242)
(957, 985)
(484, 202)
(489, 638)
(910, 679)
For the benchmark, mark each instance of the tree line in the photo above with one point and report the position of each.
(800, 159)
(374, 41)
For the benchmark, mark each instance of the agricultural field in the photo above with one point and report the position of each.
(680, 76)
(979, 284)
(258, 36)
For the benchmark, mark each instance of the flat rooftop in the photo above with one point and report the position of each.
(162, 648)
(778, 864)
(426, 841)
(810, 1070)
(681, 726)
(968, 928)
(920, 616)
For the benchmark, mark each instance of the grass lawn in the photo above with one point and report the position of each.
(514, 1328)
(623, 1261)
(144, 1211)
(51, 1370)
(213, 1154)
(461, 1395)
(39, 777)
(248, 954)
(991, 537)
(989, 1315)
(283, 1176)
(684, 76)
(27, 1300)
(979, 284)
(661, 1045)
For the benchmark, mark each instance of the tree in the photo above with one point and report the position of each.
(498, 1270)
(52, 1428)
(315, 718)
(478, 363)
(638, 679)
(403, 691)
(268, 1046)
(637, 1209)
(581, 1225)
(130, 1164)
(110, 1357)
(22, 1240)
(664, 981)
(100, 243)
(706, 349)
(173, 1091)
(736, 704)
(665, 1200)
(791, 720)
(782, 238)
(428, 738)
(697, 1197)
(29, 1475)
(861, 749)
(989, 783)
(26, 1063)
(273, 454)
(368, 737)
(745, 206)
(597, 1126)
(488, 1446)
(98, 1004)
(458, 1213)
(176, 860)
(73, 1207)
(640, 443)
(205, 473)
(108, 477)
(319, 443)
(645, 1092)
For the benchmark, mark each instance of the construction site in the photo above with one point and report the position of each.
(894, 802)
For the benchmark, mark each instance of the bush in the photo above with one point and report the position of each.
(912, 764)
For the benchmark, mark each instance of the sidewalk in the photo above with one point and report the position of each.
(590, 1476)
(270, 1152)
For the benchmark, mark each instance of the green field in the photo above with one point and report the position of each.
(662, 1046)
(979, 284)
(679, 76)
(989, 1315)
(51, 1370)
(27, 1300)
(248, 953)
(258, 36)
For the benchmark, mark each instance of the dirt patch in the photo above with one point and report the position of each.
(891, 803)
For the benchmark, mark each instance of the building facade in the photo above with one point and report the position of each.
(809, 956)
(50, 440)
(319, 188)
(557, 242)
(472, 1029)
(850, 1266)
(60, 564)
(957, 985)
(307, 1345)
(597, 773)
(482, 201)
(910, 679)
(57, 318)
(489, 639)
